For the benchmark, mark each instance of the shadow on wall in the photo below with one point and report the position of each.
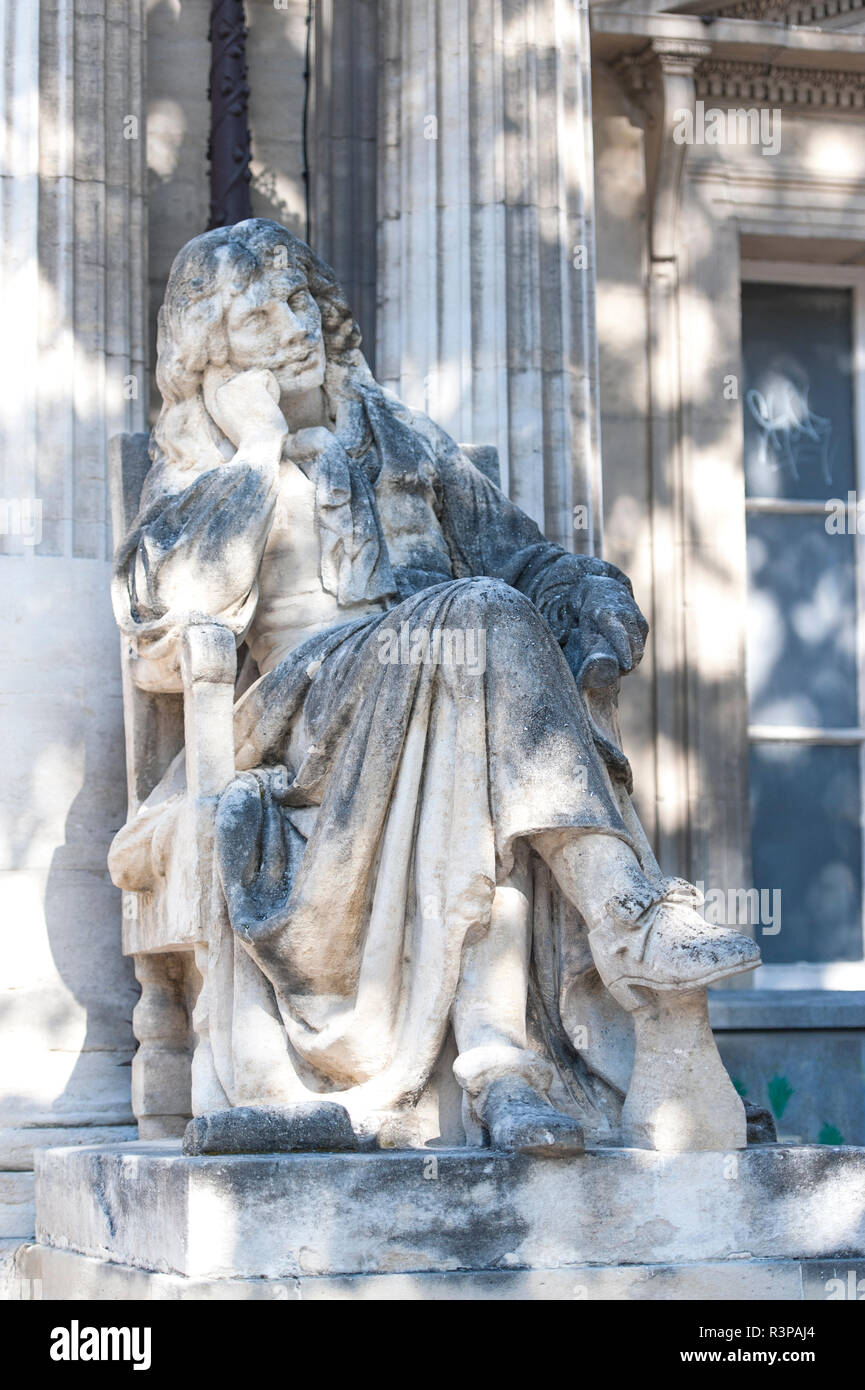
(65, 1014)
(83, 921)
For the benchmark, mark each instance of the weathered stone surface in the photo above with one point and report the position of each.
(61, 1274)
(17, 1145)
(296, 1216)
(680, 1096)
(14, 1284)
(16, 1204)
(761, 1124)
(67, 993)
(308, 1127)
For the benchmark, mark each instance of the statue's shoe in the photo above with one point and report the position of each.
(520, 1120)
(666, 947)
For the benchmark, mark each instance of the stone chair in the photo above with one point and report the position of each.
(156, 726)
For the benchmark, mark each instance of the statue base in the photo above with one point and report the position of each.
(143, 1220)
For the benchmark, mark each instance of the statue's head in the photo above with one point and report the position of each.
(251, 295)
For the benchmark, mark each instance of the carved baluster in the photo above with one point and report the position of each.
(161, 1094)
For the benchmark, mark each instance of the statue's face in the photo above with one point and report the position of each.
(275, 324)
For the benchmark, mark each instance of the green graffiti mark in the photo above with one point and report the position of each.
(740, 1086)
(830, 1135)
(780, 1092)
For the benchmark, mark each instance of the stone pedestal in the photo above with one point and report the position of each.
(142, 1221)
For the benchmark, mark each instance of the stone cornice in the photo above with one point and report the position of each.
(619, 32)
(811, 88)
(788, 11)
(727, 80)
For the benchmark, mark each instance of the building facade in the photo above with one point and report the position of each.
(623, 243)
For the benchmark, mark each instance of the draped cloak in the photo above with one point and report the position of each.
(383, 789)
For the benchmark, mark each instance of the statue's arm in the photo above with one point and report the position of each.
(198, 549)
(196, 546)
(488, 534)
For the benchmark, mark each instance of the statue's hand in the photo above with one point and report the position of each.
(306, 445)
(255, 855)
(245, 406)
(604, 609)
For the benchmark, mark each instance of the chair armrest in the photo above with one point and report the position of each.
(208, 665)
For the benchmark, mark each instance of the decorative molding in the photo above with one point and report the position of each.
(730, 80)
(785, 12)
(643, 71)
(663, 77)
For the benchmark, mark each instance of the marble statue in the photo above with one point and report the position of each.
(425, 838)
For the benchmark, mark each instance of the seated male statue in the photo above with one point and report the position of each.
(425, 831)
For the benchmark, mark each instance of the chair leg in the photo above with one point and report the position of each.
(207, 1091)
(161, 1088)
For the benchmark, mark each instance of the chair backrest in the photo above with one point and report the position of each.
(153, 722)
(128, 465)
(130, 462)
(486, 458)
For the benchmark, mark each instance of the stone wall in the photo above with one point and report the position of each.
(74, 258)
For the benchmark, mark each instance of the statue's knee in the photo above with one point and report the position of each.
(495, 606)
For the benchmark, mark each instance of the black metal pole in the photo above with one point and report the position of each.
(229, 148)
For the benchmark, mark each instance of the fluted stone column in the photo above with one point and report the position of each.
(73, 373)
(485, 244)
(341, 149)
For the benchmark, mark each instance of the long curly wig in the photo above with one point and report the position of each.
(207, 273)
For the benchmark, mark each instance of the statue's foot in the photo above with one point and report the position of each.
(518, 1119)
(665, 946)
(761, 1124)
(313, 1126)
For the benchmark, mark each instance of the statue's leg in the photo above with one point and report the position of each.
(644, 934)
(505, 1083)
(657, 955)
(490, 1005)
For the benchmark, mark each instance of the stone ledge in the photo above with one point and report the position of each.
(16, 1205)
(19, 1142)
(61, 1274)
(762, 1010)
(147, 1206)
(14, 1285)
